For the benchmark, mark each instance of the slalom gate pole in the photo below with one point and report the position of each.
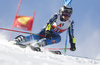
(57, 48)
(15, 17)
(21, 32)
(67, 2)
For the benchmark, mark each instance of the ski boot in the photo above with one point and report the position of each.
(36, 46)
(19, 40)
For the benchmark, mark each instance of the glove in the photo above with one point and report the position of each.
(48, 35)
(73, 48)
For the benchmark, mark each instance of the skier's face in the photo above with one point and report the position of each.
(65, 17)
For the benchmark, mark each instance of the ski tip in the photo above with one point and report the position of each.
(56, 52)
(13, 42)
(35, 48)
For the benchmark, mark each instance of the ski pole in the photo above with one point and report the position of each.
(21, 32)
(66, 41)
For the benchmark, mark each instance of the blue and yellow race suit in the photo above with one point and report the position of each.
(56, 26)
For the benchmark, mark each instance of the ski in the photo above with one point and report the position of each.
(22, 45)
(55, 52)
(35, 48)
(38, 49)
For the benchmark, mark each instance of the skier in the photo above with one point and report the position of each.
(56, 25)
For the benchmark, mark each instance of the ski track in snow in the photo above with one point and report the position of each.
(11, 54)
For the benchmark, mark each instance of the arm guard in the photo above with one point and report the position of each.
(51, 21)
(48, 27)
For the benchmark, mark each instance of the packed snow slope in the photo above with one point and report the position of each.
(14, 55)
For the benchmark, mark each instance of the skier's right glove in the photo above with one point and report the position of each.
(48, 34)
(73, 48)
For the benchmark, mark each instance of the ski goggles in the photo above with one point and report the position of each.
(66, 14)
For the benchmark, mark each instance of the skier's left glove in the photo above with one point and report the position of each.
(48, 34)
(73, 48)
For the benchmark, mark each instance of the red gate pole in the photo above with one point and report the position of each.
(15, 17)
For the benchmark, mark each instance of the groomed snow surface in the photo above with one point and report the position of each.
(14, 55)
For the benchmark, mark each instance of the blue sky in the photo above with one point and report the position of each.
(86, 15)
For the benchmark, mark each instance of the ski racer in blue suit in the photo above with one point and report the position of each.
(56, 25)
